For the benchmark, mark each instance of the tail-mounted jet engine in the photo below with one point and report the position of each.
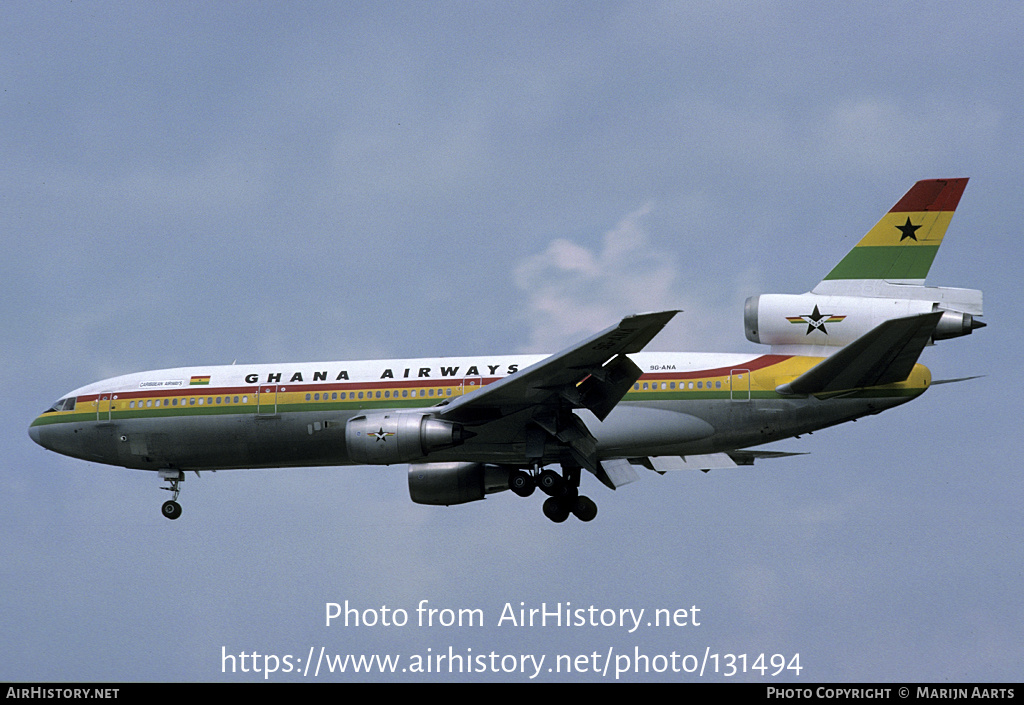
(454, 483)
(835, 321)
(389, 437)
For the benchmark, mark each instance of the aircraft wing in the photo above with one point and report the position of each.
(594, 374)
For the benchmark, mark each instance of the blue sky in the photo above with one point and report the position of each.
(198, 183)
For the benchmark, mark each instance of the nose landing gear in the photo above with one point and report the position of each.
(171, 509)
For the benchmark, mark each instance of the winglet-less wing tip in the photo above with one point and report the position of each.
(644, 327)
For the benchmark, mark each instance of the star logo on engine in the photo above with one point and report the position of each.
(816, 320)
(381, 435)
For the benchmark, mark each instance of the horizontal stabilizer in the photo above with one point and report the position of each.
(884, 355)
(953, 381)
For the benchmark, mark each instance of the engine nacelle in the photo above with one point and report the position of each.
(953, 324)
(388, 437)
(454, 483)
(789, 321)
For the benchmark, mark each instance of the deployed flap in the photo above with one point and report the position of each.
(884, 355)
(747, 457)
(616, 472)
(708, 461)
(563, 377)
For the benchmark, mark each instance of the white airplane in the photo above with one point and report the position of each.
(470, 426)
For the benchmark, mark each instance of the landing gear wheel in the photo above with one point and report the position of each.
(584, 508)
(551, 483)
(555, 510)
(522, 483)
(171, 509)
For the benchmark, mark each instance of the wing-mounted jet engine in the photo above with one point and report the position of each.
(395, 436)
(455, 483)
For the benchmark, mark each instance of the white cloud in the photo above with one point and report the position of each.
(574, 291)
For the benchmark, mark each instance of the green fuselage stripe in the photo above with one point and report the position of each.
(250, 409)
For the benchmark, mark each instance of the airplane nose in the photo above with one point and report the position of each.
(33, 433)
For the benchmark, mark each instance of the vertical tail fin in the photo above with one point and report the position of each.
(901, 246)
(881, 279)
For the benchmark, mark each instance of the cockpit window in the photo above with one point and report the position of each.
(62, 405)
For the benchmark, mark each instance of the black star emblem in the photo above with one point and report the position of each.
(816, 321)
(381, 435)
(908, 230)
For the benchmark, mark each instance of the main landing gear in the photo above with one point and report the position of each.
(171, 509)
(563, 492)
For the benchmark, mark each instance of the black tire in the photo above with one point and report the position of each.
(521, 483)
(171, 509)
(584, 508)
(555, 510)
(550, 483)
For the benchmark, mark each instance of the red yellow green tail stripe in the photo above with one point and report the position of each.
(901, 246)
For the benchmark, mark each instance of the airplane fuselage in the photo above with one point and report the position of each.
(261, 416)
